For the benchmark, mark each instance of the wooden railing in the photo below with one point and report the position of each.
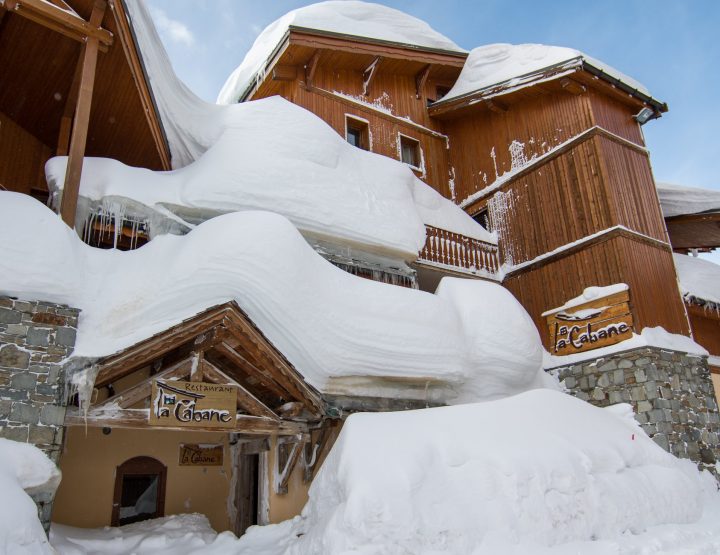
(458, 252)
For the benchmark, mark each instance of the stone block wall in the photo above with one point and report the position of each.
(671, 392)
(35, 340)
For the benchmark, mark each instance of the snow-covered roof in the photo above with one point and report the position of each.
(267, 155)
(678, 200)
(515, 64)
(358, 19)
(699, 280)
(471, 334)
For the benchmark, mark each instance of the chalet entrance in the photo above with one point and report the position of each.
(205, 417)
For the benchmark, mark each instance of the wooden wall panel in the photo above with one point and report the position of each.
(558, 203)
(384, 131)
(22, 158)
(648, 270)
(480, 143)
(631, 189)
(615, 116)
(706, 328)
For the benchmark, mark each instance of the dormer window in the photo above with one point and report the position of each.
(410, 152)
(357, 132)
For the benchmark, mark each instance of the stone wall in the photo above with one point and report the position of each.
(35, 339)
(671, 392)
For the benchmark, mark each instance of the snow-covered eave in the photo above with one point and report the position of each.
(133, 46)
(551, 72)
(285, 41)
(711, 307)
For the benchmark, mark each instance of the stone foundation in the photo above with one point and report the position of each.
(35, 339)
(671, 392)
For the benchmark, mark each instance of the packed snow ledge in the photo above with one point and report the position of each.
(540, 472)
(471, 335)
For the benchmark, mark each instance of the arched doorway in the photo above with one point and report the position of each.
(139, 491)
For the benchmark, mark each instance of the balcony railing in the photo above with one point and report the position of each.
(457, 252)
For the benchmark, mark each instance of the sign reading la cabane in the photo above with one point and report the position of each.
(193, 404)
(591, 325)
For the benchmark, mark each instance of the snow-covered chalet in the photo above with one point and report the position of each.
(370, 218)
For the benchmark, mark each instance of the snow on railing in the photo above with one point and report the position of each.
(459, 252)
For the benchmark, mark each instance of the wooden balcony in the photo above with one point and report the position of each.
(455, 252)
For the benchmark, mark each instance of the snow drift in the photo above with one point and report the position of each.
(677, 200)
(267, 155)
(358, 19)
(23, 469)
(494, 64)
(699, 280)
(326, 321)
(538, 469)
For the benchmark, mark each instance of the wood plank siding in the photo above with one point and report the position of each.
(655, 299)
(705, 324)
(22, 158)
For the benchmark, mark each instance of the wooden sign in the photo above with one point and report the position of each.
(193, 404)
(598, 323)
(199, 454)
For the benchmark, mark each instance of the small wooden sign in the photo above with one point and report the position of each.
(199, 454)
(598, 323)
(193, 404)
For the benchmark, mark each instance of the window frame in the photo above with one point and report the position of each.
(363, 125)
(139, 466)
(418, 152)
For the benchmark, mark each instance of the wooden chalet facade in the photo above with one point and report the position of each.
(558, 169)
(584, 212)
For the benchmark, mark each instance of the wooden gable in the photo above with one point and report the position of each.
(218, 346)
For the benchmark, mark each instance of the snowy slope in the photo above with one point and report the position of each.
(676, 200)
(359, 19)
(538, 469)
(493, 64)
(699, 279)
(326, 321)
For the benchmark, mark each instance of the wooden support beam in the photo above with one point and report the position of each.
(312, 451)
(63, 145)
(138, 419)
(311, 68)
(138, 392)
(246, 400)
(287, 456)
(284, 73)
(572, 86)
(78, 138)
(263, 377)
(369, 74)
(62, 21)
(420, 80)
(496, 106)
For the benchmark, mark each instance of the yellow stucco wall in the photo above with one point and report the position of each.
(88, 465)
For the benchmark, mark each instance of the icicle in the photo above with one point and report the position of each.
(83, 383)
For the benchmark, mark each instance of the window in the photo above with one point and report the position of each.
(483, 218)
(441, 91)
(357, 132)
(139, 491)
(410, 152)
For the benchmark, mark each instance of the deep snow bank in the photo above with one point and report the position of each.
(326, 321)
(699, 279)
(541, 468)
(276, 156)
(359, 19)
(23, 468)
(270, 155)
(493, 64)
